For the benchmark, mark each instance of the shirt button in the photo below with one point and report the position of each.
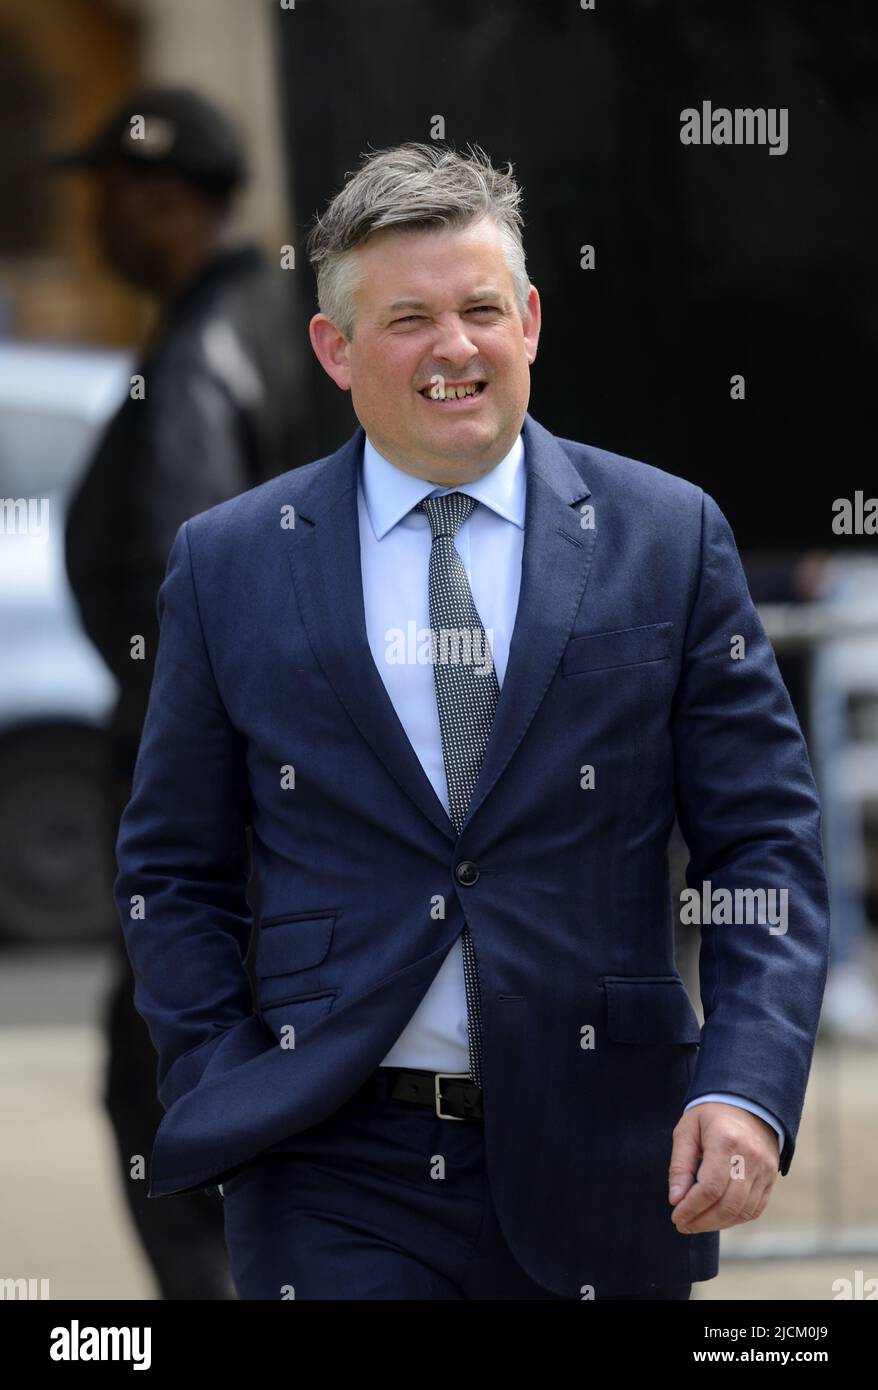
(466, 872)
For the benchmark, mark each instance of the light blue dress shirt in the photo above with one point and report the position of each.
(395, 544)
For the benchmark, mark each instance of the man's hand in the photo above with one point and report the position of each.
(739, 1166)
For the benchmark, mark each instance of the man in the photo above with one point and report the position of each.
(457, 676)
(211, 410)
(210, 414)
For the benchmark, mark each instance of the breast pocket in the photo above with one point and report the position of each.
(628, 646)
(288, 948)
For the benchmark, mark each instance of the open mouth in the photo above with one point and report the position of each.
(454, 397)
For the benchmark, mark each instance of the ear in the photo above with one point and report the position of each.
(331, 348)
(531, 324)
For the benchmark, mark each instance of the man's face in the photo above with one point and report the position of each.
(436, 304)
(125, 225)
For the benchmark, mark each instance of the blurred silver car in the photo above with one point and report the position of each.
(56, 867)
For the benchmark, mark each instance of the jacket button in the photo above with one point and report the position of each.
(466, 872)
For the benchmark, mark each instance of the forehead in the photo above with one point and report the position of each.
(449, 261)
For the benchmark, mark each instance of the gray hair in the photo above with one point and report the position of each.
(411, 187)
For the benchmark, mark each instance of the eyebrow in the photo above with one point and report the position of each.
(486, 292)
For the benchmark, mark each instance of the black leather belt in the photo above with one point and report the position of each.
(451, 1095)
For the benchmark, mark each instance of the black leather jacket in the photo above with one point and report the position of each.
(220, 414)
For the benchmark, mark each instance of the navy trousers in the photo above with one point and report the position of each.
(383, 1200)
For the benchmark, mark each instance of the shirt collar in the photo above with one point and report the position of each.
(390, 493)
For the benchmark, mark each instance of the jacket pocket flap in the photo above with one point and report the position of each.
(654, 1009)
(626, 647)
(286, 946)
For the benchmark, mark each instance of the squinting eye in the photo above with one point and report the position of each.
(484, 309)
(409, 318)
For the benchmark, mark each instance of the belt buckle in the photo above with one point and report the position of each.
(453, 1076)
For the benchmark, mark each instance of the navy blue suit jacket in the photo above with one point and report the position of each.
(620, 660)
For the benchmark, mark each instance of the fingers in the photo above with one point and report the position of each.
(727, 1213)
(728, 1191)
(737, 1171)
(708, 1191)
(685, 1157)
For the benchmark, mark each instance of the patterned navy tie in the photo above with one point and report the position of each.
(466, 694)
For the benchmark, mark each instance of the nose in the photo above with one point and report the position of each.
(453, 344)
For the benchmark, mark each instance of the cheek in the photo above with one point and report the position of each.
(390, 370)
(502, 357)
(380, 388)
(516, 371)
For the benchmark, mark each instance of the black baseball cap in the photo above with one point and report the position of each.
(167, 128)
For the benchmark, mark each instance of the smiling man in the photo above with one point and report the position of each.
(469, 1068)
(439, 374)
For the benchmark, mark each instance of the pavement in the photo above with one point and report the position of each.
(63, 1217)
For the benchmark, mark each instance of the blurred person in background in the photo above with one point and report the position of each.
(211, 413)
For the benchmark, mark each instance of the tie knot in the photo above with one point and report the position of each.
(447, 513)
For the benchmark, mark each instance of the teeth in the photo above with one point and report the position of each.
(452, 393)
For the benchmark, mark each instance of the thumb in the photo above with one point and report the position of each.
(685, 1156)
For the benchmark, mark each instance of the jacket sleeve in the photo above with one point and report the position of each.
(194, 454)
(178, 452)
(182, 851)
(749, 812)
(189, 455)
(742, 1104)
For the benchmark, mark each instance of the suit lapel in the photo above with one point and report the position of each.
(325, 561)
(555, 564)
